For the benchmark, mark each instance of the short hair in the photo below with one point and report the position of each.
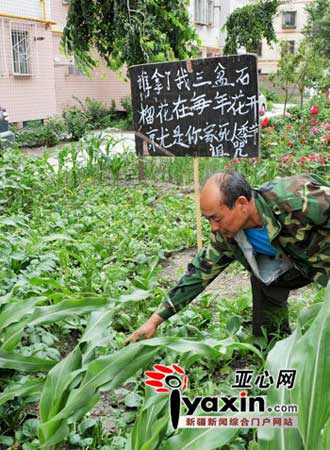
(232, 185)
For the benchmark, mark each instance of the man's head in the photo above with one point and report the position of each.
(226, 201)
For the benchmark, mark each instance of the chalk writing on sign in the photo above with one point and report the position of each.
(202, 107)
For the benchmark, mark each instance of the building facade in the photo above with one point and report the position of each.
(36, 80)
(210, 16)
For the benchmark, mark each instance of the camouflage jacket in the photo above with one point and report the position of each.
(296, 212)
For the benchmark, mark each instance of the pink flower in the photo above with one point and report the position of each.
(314, 121)
(315, 130)
(264, 123)
(303, 159)
(261, 112)
(327, 137)
(327, 126)
(290, 144)
(285, 158)
(314, 109)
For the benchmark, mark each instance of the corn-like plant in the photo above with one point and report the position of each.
(309, 354)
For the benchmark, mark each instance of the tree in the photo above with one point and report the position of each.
(318, 25)
(129, 31)
(248, 25)
(286, 74)
(309, 71)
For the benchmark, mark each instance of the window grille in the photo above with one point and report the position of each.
(204, 12)
(23, 48)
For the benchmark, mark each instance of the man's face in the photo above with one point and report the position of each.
(223, 219)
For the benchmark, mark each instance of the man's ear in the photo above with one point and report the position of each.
(242, 202)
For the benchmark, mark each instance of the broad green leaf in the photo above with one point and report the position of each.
(14, 312)
(311, 359)
(326, 436)
(25, 387)
(151, 423)
(11, 360)
(280, 358)
(201, 439)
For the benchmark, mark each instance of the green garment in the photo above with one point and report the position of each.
(296, 213)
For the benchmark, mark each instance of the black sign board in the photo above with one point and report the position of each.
(200, 107)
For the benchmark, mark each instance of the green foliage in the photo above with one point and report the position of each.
(248, 25)
(286, 73)
(317, 28)
(81, 254)
(309, 68)
(129, 32)
(307, 353)
(48, 135)
(76, 122)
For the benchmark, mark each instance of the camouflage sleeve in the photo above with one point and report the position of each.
(205, 266)
(306, 220)
(316, 230)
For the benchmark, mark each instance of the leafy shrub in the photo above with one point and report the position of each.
(49, 134)
(76, 122)
(126, 103)
(97, 113)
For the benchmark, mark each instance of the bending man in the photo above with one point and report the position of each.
(280, 232)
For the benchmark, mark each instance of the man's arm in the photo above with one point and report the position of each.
(206, 266)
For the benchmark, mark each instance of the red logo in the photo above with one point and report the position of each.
(166, 378)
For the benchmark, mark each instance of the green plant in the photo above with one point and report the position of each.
(76, 122)
(152, 30)
(247, 25)
(307, 354)
(49, 134)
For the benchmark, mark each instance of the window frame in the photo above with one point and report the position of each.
(204, 12)
(289, 25)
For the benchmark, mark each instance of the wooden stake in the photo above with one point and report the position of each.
(198, 210)
(141, 168)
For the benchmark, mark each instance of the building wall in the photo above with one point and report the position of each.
(32, 8)
(267, 62)
(271, 54)
(52, 84)
(28, 97)
(104, 85)
(209, 34)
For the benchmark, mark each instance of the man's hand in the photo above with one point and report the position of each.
(146, 331)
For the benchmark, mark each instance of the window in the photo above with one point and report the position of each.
(292, 46)
(289, 19)
(204, 12)
(21, 43)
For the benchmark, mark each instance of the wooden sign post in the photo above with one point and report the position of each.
(200, 108)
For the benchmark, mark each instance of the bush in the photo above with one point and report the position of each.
(76, 122)
(97, 113)
(126, 103)
(48, 135)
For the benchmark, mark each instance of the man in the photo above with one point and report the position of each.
(280, 232)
